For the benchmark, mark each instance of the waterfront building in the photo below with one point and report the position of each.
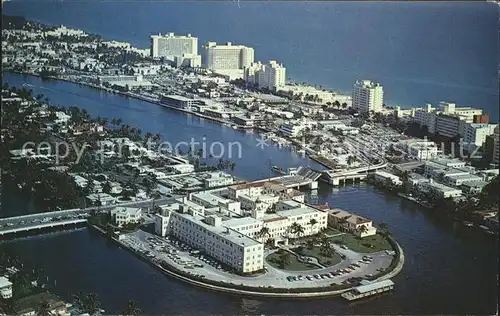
(440, 189)
(291, 130)
(207, 233)
(5, 288)
(269, 76)
(447, 119)
(473, 187)
(182, 167)
(351, 223)
(383, 176)
(180, 102)
(420, 149)
(171, 46)
(217, 179)
(226, 57)
(367, 96)
(125, 215)
(456, 180)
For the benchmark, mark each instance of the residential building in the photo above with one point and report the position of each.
(171, 46)
(270, 76)
(367, 96)
(473, 187)
(222, 57)
(456, 180)
(125, 215)
(447, 125)
(351, 222)
(217, 179)
(5, 287)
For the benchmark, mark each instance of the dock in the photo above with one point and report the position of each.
(367, 289)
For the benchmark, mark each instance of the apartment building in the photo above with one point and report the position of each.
(367, 96)
(223, 57)
(475, 134)
(270, 76)
(171, 46)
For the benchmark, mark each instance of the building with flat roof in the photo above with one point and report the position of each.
(181, 102)
(171, 45)
(243, 253)
(419, 148)
(367, 96)
(125, 215)
(442, 190)
(383, 176)
(269, 76)
(226, 57)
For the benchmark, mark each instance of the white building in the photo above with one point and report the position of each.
(475, 134)
(171, 45)
(383, 176)
(367, 96)
(456, 180)
(226, 57)
(291, 130)
(125, 215)
(271, 76)
(217, 179)
(441, 189)
(419, 148)
(5, 287)
(207, 233)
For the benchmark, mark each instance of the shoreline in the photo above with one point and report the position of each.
(230, 289)
(312, 156)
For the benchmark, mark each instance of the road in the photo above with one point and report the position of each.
(35, 219)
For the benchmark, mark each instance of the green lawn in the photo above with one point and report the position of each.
(331, 231)
(323, 260)
(365, 245)
(295, 264)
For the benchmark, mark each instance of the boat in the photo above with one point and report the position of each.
(278, 169)
(368, 289)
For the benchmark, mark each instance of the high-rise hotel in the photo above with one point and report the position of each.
(226, 57)
(171, 45)
(367, 96)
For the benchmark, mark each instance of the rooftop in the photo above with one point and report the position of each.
(4, 282)
(297, 211)
(373, 286)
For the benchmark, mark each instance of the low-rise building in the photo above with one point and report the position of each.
(102, 199)
(355, 224)
(126, 215)
(440, 189)
(383, 176)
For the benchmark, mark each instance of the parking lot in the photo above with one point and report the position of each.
(193, 261)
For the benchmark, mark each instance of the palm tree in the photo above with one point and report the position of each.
(44, 309)
(362, 229)
(264, 231)
(312, 222)
(131, 309)
(87, 303)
